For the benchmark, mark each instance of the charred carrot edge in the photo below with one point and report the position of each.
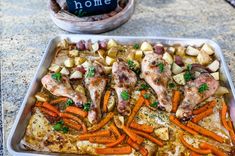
(223, 116)
(231, 132)
(213, 149)
(72, 124)
(133, 144)
(132, 135)
(76, 110)
(117, 142)
(143, 151)
(114, 150)
(177, 122)
(200, 151)
(59, 100)
(149, 137)
(50, 107)
(115, 130)
(205, 132)
(103, 122)
(202, 115)
(175, 100)
(70, 116)
(98, 133)
(106, 101)
(194, 154)
(208, 105)
(44, 110)
(141, 127)
(38, 104)
(102, 139)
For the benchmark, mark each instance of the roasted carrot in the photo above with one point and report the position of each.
(200, 151)
(59, 100)
(106, 101)
(231, 131)
(141, 127)
(72, 124)
(102, 139)
(115, 130)
(208, 105)
(149, 137)
(143, 151)
(230, 124)
(133, 144)
(223, 116)
(132, 135)
(205, 132)
(98, 133)
(70, 116)
(147, 102)
(114, 150)
(177, 122)
(76, 110)
(175, 100)
(202, 115)
(213, 149)
(194, 154)
(50, 107)
(117, 142)
(103, 122)
(38, 104)
(46, 111)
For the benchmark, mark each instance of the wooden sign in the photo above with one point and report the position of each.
(90, 7)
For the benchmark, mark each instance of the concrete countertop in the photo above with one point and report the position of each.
(26, 28)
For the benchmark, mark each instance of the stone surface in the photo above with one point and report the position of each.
(26, 28)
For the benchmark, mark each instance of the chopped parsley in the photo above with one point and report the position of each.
(155, 104)
(144, 87)
(136, 46)
(161, 67)
(69, 102)
(189, 67)
(56, 76)
(131, 64)
(86, 106)
(146, 96)
(90, 72)
(171, 85)
(125, 95)
(203, 87)
(59, 126)
(65, 129)
(187, 76)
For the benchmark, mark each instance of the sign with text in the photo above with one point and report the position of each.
(91, 7)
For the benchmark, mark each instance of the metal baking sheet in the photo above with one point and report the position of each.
(22, 119)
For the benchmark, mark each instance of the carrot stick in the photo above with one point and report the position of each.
(141, 127)
(200, 151)
(98, 133)
(76, 110)
(231, 131)
(213, 149)
(149, 137)
(194, 154)
(177, 122)
(208, 105)
(50, 107)
(202, 115)
(143, 151)
(102, 139)
(230, 124)
(114, 150)
(59, 100)
(70, 116)
(44, 110)
(205, 132)
(117, 142)
(38, 104)
(132, 135)
(106, 101)
(103, 122)
(223, 116)
(115, 130)
(133, 144)
(175, 100)
(72, 124)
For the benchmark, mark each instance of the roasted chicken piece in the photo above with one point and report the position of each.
(195, 92)
(62, 88)
(124, 81)
(95, 82)
(157, 73)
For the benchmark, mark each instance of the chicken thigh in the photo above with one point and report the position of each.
(124, 81)
(156, 72)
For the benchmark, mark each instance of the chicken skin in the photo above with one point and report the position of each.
(62, 88)
(193, 95)
(156, 72)
(124, 81)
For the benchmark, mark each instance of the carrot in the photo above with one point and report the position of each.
(50, 107)
(143, 151)
(76, 110)
(114, 150)
(44, 110)
(175, 100)
(194, 154)
(147, 102)
(106, 101)
(149, 137)
(72, 124)
(208, 105)
(117, 142)
(205, 132)
(70, 116)
(98, 133)
(103, 122)
(202, 115)
(132, 135)
(200, 151)
(223, 116)
(141, 127)
(177, 122)
(230, 124)
(213, 149)
(133, 144)
(38, 104)
(59, 100)
(231, 132)
(102, 139)
(114, 129)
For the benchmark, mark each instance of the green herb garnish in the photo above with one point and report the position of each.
(59, 126)
(125, 95)
(56, 76)
(144, 87)
(65, 129)
(90, 72)
(171, 85)
(189, 67)
(136, 46)
(87, 106)
(188, 76)
(146, 96)
(131, 64)
(203, 88)
(155, 104)
(69, 102)
(161, 67)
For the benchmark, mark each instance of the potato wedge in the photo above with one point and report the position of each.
(107, 70)
(162, 133)
(112, 52)
(221, 91)
(64, 71)
(86, 65)
(203, 58)
(42, 97)
(145, 46)
(192, 51)
(111, 43)
(76, 75)
(214, 66)
(171, 50)
(180, 51)
(138, 55)
(73, 53)
(80, 89)
(69, 62)
(101, 53)
(111, 103)
(109, 61)
(179, 79)
(95, 46)
(208, 49)
(79, 60)
(168, 58)
(176, 69)
(55, 68)
(64, 44)
(216, 75)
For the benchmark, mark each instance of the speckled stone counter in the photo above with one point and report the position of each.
(26, 28)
